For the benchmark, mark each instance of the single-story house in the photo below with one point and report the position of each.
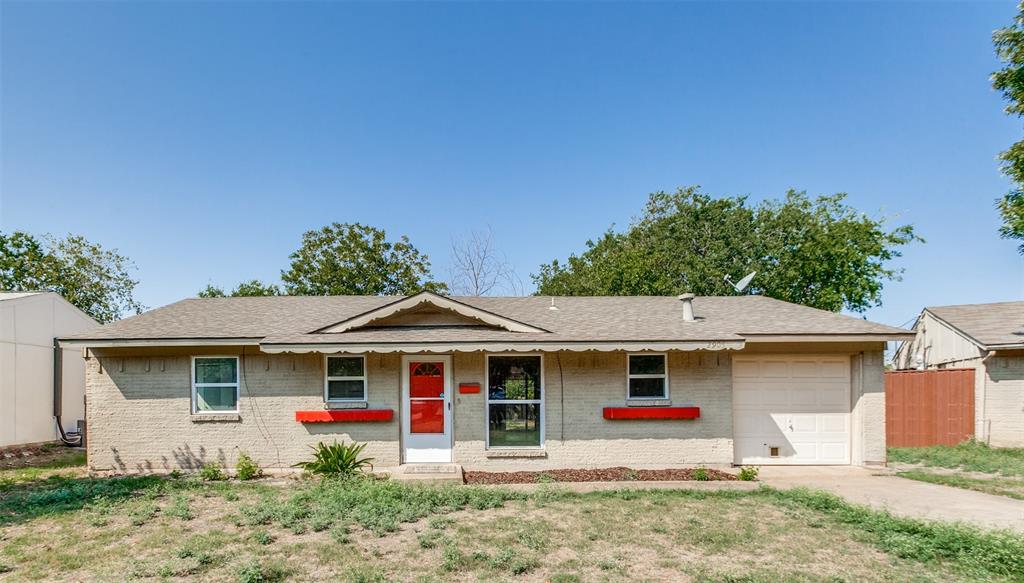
(988, 338)
(493, 383)
(30, 400)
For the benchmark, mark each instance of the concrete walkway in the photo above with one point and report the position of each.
(880, 488)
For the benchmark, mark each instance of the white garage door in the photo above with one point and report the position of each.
(791, 409)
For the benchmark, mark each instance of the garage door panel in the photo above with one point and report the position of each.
(799, 405)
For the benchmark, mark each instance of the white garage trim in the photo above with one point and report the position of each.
(791, 409)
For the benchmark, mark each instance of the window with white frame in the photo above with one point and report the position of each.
(515, 407)
(647, 376)
(215, 384)
(346, 379)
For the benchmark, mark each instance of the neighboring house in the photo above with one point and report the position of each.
(487, 382)
(29, 323)
(988, 338)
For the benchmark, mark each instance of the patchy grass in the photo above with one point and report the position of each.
(1009, 487)
(971, 456)
(971, 466)
(374, 530)
(62, 459)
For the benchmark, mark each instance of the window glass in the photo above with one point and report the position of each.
(216, 370)
(216, 384)
(646, 364)
(513, 378)
(647, 378)
(647, 388)
(514, 424)
(346, 378)
(344, 366)
(338, 390)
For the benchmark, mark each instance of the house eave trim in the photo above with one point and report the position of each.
(884, 337)
(447, 347)
(133, 342)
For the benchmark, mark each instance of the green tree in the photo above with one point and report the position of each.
(1009, 44)
(818, 252)
(94, 279)
(251, 288)
(355, 259)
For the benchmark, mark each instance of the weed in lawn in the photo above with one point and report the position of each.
(5, 568)
(256, 572)
(179, 507)
(340, 534)
(142, 512)
(565, 578)
(452, 558)
(212, 472)
(509, 560)
(246, 468)
(365, 575)
(440, 522)
(748, 473)
(701, 475)
(546, 479)
(61, 494)
(430, 539)
(262, 537)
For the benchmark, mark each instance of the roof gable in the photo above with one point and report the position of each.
(428, 309)
(999, 324)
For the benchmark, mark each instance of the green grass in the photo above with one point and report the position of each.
(972, 456)
(10, 477)
(1009, 487)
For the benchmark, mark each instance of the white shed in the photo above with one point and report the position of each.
(29, 322)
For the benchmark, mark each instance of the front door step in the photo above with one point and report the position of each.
(429, 473)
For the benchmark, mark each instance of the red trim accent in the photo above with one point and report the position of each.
(468, 388)
(343, 415)
(651, 413)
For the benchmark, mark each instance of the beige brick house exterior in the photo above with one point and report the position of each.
(142, 406)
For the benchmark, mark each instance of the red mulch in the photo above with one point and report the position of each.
(602, 475)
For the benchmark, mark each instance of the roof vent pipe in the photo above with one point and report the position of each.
(687, 300)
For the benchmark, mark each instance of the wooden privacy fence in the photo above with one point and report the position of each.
(929, 407)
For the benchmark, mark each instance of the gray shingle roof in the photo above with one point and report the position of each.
(293, 319)
(996, 324)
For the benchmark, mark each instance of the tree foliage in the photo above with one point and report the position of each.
(251, 288)
(94, 279)
(1009, 44)
(819, 252)
(355, 259)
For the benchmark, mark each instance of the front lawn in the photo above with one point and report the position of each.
(970, 465)
(91, 529)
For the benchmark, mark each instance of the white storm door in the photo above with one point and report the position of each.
(427, 409)
(791, 410)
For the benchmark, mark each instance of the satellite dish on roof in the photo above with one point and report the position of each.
(742, 284)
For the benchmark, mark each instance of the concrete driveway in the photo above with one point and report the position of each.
(881, 488)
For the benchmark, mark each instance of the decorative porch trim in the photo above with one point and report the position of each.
(345, 415)
(438, 301)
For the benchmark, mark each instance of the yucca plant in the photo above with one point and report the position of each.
(337, 459)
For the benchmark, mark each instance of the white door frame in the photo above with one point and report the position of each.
(427, 447)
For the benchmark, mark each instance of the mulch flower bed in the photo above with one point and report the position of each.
(601, 475)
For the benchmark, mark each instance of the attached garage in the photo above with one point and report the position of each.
(791, 410)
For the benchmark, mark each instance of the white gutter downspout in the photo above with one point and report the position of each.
(986, 423)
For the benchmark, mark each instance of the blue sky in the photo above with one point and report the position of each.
(201, 139)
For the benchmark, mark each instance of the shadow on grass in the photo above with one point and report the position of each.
(24, 501)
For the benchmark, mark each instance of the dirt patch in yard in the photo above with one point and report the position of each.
(600, 475)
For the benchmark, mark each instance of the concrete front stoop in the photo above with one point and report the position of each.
(430, 473)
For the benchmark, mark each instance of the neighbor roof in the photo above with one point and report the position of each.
(295, 320)
(996, 325)
(4, 296)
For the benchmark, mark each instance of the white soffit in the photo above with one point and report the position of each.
(439, 302)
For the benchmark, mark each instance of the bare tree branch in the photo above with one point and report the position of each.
(478, 269)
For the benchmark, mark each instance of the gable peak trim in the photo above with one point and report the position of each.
(433, 299)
